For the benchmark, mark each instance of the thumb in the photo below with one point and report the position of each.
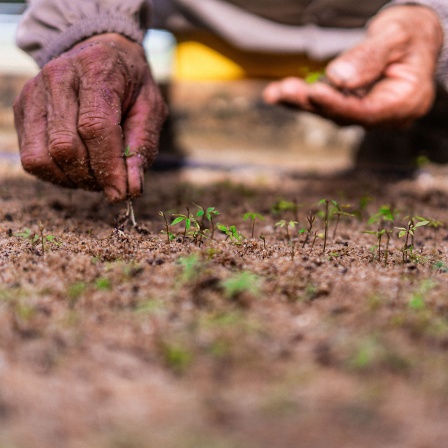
(141, 135)
(365, 63)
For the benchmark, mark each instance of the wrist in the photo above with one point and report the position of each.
(115, 26)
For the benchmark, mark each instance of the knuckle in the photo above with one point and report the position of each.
(55, 69)
(92, 127)
(96, 59)
(61, 145)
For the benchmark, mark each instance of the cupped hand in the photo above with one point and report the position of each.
(386, 80)
(91, 118)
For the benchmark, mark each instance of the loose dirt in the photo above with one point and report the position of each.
(111, 337)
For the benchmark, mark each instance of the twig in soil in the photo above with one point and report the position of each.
(264, 241)
(314, 239)
(130, 213)
(310, 218)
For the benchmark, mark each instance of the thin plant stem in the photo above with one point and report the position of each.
(405, 247)
(293, 248)
(386, 255)
(306, 240)
(326, 224)
(380, 236)
(213, 227)
(314, 239)
(167, 229)
(336, 225)
(42, 242)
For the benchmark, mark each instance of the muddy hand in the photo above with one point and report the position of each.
(91, 118)
(393, 67)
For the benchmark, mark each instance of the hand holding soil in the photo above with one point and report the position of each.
(75, 119)
(393, 67)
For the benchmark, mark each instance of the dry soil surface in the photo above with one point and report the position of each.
(111, 337)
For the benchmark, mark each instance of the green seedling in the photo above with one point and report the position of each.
(379, 235)
(36, 238)
(27, 234)
(365, 355)
(282, 206)
(435, 226)
(407, 232)
(383, 215)
(325, 202)
(232, 233)
(417, 299)
(208, 214)
(364, 201)
(127, 152)
(169, 235)
(176, 357)
(191, 225)
(415, 218)
(241, 282)
(312, 77)
(103, 284)
(440, 266)
(338, 210)
(253, 216)
(287, 225)
(190, 266)
(74, 292)
(150, 306)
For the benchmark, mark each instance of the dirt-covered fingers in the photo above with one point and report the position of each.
(391, 102)
(30, 113)
(100, 110)
(141, 134)
(365, 63)
(291, 91)
(64, 142)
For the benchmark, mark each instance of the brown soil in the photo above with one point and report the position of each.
(110, 337)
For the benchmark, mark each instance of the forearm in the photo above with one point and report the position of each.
(50, 27)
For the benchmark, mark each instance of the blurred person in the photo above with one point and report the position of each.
(92, 117)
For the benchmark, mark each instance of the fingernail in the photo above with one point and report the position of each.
(342, 70)
(112, 194)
